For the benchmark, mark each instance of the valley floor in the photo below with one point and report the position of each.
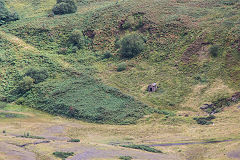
(98, 141)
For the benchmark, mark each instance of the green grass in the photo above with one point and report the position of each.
(142, 147)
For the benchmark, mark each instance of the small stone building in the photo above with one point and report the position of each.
(152, 87)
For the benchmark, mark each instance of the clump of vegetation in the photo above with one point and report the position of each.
(63, 51)
(6, 15)
(142, 147)
(134, 22)
(107, 55)
(126, 24)
(131, 45)
(63, 155)
(25, 85)
(74, 49)
(214, 50)
(229, 2)
(38, 74)
(2, 105)
(4, 131)
(204, 120)
(85, 98)
(77, 39)
(221, 101)
(165, 112)
(125, 157)
(121, 67)
(27, 135)
(65, 7)
(20, 101)
(74, 140)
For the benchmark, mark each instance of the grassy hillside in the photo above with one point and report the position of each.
(179, 37)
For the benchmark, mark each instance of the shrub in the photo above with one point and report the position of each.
(214, 50)
(2, 105)
(63, 155)
(25, 85)
(27, 135)
(74, 49)
(131, 45)
(20, 101)
(107, 55)
(121, 67)
(142, 147)
(64, 7)
(204, 120)
(63, 51)
(125, 157)
(39, 75)
(77, 39)
(74, 140)
(165, 112)
(6, 15)
(126, 25)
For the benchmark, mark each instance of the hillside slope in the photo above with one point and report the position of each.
(178, 35)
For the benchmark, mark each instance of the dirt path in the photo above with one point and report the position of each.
(189, 143)
(52, 133)
(16, 153)
(17, 41)
(234, 154)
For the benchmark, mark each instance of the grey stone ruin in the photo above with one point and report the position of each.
(152, 87)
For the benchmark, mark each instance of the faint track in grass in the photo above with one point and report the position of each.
(16, 153)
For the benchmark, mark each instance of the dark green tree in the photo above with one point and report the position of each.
(65, 7)
(131, 45)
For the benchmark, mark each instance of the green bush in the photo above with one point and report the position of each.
(165, 112)
(74, 49)
(6, 15)
(3, 104)
(142, 147)
(77, 39)
(25, 85)
(204, 120)
(27, 135)
(121, 67)
(131, 45)
(125, 158)
(107, 55)
(126, 25)
(38, 74)
(63, 51)
(74, 140)
(63, 155)
(64, 7)
(214, 50)
(20, 101)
